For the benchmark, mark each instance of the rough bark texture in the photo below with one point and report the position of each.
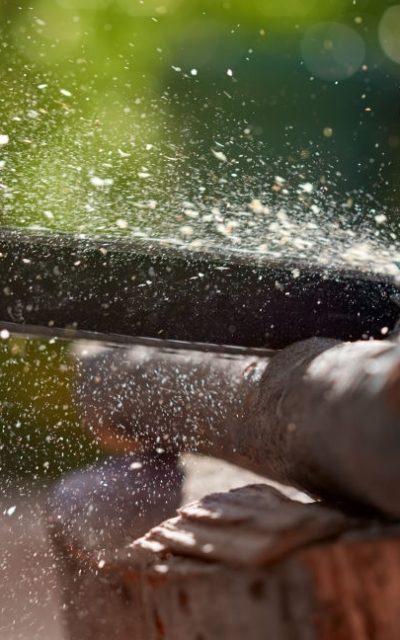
(321, 415)
(287, 571)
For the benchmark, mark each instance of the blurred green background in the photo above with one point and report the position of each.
(132, 116)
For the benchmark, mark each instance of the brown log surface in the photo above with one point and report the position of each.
(320, 415)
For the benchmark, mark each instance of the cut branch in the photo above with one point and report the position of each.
(321, 415)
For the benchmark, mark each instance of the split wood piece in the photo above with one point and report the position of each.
(320, 415)
(254, 525)
(320, 576)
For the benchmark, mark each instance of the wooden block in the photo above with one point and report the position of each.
(247, 564)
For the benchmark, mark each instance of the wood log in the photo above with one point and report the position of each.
(320, 415)
(243, 564)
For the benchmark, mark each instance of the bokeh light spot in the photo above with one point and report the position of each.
(389, 33)
(332, 51)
